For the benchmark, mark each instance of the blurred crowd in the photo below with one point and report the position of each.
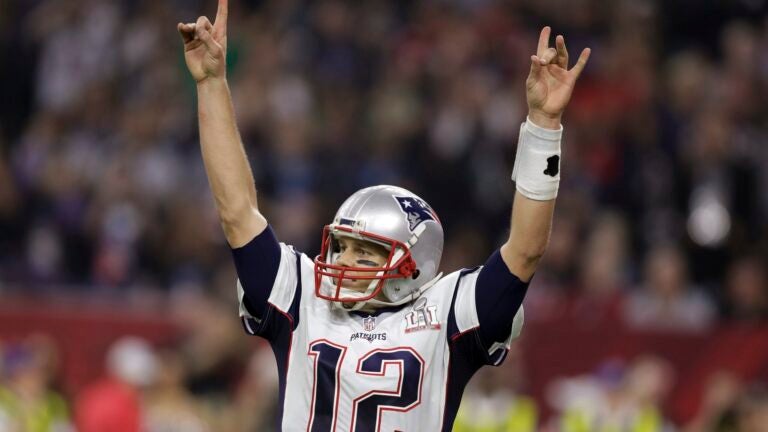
(662, 219)
(664, 201)
(618, 396)
(145, 388)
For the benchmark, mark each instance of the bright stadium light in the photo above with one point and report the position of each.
(709, 221)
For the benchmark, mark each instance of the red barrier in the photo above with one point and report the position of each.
(82, 333)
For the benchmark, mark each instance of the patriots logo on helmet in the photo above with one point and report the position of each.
(416, 211)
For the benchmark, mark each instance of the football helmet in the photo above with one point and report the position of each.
(396, 219)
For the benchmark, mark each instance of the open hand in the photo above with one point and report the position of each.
(550, 83)
(205, 45)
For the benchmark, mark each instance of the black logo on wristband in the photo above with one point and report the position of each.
(553, 166)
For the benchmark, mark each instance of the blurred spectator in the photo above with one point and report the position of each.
(492, 401)
(730, 405)
(560, 262)
(746, 291)
(167, 405)
(10, 211)
(716, 411)
(616, 398)
(114, 402)
(603, 273)
(550, 290)
(27, 401)
(251, 410)
(752, 410)
(212, 347)
(666, 300)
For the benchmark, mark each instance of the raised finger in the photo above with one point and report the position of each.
(221, 16)
(549, 55)
(543, 41)
(562, 52)
(581, 63)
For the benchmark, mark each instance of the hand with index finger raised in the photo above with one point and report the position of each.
(205, 45)
(550, 83)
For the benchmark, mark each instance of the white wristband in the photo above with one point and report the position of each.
(537, 165)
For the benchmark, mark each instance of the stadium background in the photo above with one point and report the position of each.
(653, 295)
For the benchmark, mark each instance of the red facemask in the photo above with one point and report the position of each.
(403, 267)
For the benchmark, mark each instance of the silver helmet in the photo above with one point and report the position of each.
(392, 217)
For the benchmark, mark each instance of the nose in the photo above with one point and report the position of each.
(345, 258)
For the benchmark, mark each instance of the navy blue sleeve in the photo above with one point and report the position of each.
(498, 296)
(257, 263)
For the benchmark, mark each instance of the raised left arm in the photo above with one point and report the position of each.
(537, 167)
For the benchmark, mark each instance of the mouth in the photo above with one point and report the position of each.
(346, 283)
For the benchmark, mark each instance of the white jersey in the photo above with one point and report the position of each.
(402, 369)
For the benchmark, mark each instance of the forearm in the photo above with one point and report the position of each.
(537, 174)
(226, 164)
(530, 226)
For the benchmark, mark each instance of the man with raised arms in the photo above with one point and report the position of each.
(369, 335)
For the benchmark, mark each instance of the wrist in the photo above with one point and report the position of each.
(544, 120)
(211, 82)
(537, 163)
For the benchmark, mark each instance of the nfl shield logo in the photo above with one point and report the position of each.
(369, 323)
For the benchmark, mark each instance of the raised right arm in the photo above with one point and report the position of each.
(229, 173)
(226, 164)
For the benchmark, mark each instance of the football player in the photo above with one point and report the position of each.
(368, 335)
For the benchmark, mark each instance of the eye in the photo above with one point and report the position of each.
(363, 252)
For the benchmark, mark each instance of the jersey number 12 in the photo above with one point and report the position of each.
(366, 408)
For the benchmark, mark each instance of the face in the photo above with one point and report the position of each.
(359, 253)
